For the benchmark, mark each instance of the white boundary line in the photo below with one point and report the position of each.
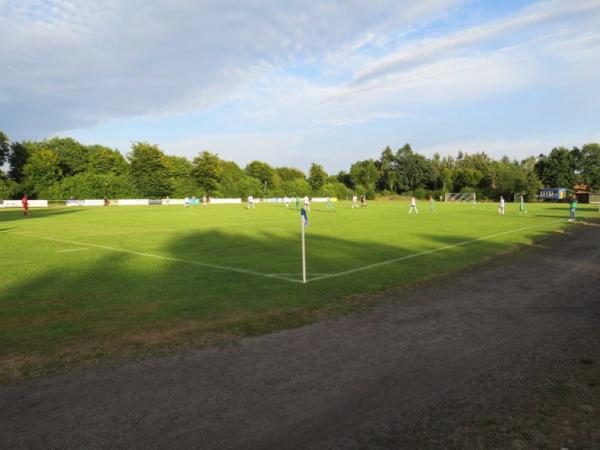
(73, 250)
(299, 274)
(164, 258)
(427, 252)
(281, 276)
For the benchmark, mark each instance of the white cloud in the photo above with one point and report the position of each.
(312, 81)
(545, 45)
(518, 148)
(72, 64)
(513, 29)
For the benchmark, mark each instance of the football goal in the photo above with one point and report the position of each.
(460, 197)
(595, 200)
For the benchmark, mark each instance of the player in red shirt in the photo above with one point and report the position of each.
(25, 203)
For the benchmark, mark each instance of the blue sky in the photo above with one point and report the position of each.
(292, 82)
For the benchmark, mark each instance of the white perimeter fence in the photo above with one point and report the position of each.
(146, 202)
(18, 204)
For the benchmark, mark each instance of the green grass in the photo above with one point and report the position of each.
(133, 281)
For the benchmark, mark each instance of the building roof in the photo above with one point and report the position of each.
(581, 188)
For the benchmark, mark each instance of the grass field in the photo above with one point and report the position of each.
(81, 286)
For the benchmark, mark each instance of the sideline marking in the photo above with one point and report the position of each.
(426, 252)
(299, 274)
(281, 276)
(165, 258)
(73, 250)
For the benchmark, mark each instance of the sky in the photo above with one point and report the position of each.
(294, 82)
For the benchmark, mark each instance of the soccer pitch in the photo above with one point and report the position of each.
(79, 286)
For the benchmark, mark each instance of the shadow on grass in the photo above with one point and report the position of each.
(34, 213)
(102, 305)
(580, 207)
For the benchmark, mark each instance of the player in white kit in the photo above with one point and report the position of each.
(413, 206)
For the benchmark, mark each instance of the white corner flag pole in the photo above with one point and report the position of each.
(302, 226)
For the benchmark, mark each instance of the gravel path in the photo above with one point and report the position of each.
(409, 373)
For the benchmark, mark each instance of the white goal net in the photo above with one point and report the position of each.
(595, 200)
(460, 197)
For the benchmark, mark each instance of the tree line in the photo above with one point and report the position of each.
(62, 168)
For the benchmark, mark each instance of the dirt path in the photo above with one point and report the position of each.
(412, 372)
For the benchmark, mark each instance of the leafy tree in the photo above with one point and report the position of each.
(296, 187)
(557, 169)
(265, 173)
(413, 171)
(447, 179)
(231, 176)
(4, 148)
(317, 176)
(359, 189)
(4, 189)
(336, 189)
(577, 155)
(206, 171)
(437, 168)
(105, 160)
(467, 178)
(42, 169)
(479, 161)
(72, 156)
(150, 170)
(180, 166)
(92, 185)
(531, 182)
(62, 168)
(249, 186)
(590, 165)
(365, 173)
(344, 177)
(186, 187)
(289, 173)
(183, 183)
(17, 158)
(10, 190)
(509, 178)
(386, 166)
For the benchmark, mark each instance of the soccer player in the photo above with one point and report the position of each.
(474, 200)
(363, 201)
(251, 202)
(297, 202)
(501, 206)
(186, 202)
(522, 209)
(204, 201)
(354, 200)
(413, 206)
(306, 203)
(572, 209)
(330, 207)
(25, 203)
(431, 204)
(286, 201)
